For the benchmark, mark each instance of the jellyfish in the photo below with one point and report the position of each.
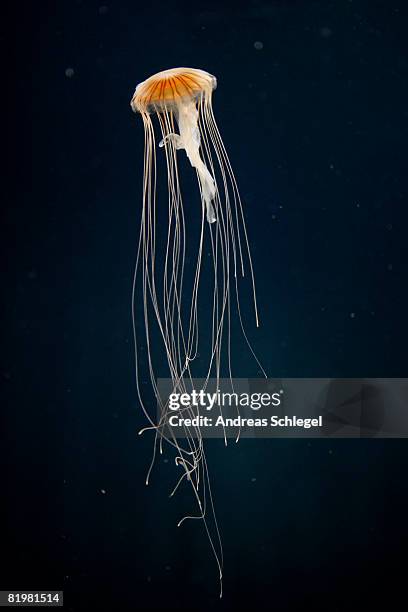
(180, 101)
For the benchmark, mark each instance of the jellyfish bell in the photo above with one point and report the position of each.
(176, 92)
(181, 100)
(168, 88)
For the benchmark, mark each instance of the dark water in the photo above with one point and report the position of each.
(312, 105)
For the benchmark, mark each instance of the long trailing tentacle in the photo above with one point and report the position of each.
(170, 305)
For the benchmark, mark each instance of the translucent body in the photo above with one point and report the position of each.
(177, 90)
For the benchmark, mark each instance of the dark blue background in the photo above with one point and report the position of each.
(315, 123)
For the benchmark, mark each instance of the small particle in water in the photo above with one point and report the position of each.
(253, 479)
(389, 227)
(103, 491)
(165, 460)
(102, 10)
(330, 452)
(258, 45)
(167, 568)
(325, 32)
(389, 267)
(352, 315)
(69, 73)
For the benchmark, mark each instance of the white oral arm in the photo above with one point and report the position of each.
(189, 139)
